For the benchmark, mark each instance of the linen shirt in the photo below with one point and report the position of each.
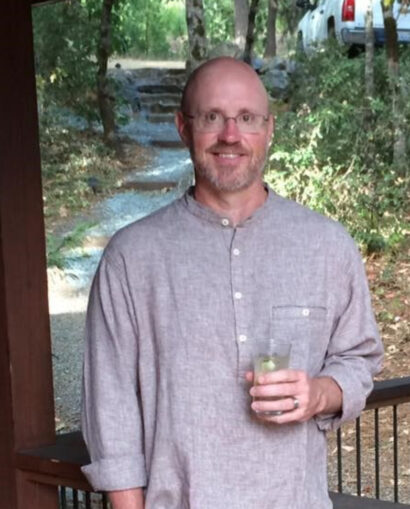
(177, 306)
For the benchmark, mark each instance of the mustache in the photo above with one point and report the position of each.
(225, 148)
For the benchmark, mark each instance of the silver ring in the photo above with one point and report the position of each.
(295, 403)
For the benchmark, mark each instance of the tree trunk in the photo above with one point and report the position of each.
(270, 49)
(392, 50)
(198, 45)
(241, 22)
(369, 42)
(369, 77)
(290, 15)
(105, 95)
(250, 34)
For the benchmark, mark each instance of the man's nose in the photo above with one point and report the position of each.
(230, 132)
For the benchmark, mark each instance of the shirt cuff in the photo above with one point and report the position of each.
(116, 474)
(354, 394)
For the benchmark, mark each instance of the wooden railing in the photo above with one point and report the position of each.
(59, 464)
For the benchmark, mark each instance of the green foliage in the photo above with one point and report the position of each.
(330, 156)
(219, 21)
(151, 28)
(69, 159)
(65, 36)
(57, 247)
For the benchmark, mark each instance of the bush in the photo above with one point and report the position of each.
(65, 37)
(335, 157)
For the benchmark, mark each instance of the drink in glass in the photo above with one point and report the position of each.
(269, 356)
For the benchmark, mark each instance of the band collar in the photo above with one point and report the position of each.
(209, 215)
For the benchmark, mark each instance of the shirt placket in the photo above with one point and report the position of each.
(240, 301)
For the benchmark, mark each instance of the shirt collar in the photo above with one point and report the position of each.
(209, 215)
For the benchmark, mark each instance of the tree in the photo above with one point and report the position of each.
(392, 51)
(369, 57)
(241, 22)
(270, 48)
(369, 77)
(105, 95)
(64, 44)
(198, 44)
(250, 34)
(289, 14)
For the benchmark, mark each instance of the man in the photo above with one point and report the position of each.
(178, 304)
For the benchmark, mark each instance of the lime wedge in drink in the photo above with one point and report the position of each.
(267, 364)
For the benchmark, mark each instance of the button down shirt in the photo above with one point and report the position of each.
(178, 304)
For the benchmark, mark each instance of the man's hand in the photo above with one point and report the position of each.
(321, 395)
(127, 499)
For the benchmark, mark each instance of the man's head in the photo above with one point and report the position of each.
(225, 123)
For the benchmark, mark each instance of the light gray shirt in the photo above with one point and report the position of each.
(178, 302)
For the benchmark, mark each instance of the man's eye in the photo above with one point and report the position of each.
(211, 117)
(247, 118)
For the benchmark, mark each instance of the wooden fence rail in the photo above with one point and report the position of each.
(59, 464)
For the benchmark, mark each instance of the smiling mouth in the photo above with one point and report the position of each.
(227, 156)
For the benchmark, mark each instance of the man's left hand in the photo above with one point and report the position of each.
(300, 396)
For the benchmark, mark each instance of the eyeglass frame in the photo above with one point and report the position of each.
(226, 118)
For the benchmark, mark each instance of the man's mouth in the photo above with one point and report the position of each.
(227, 156)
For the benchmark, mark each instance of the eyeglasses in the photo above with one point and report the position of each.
(214, 121)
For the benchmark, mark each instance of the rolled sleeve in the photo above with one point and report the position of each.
(355, 350)
(111, 415)
(116, 474)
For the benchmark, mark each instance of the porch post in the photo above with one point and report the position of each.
(26, 392)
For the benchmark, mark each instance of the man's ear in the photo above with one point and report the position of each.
(183, 128)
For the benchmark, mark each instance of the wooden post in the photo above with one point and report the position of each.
(26, 391)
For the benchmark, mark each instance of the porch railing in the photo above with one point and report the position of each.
(359, 455)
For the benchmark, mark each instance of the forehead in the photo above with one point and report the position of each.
(229, 88)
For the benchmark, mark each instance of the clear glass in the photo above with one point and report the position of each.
(269, 355)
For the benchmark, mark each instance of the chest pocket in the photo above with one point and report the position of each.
(305, 327)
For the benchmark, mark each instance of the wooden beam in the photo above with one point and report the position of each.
(26, 391)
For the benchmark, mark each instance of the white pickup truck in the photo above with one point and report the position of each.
(345, 21)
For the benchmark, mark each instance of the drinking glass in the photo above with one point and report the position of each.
(269, 355)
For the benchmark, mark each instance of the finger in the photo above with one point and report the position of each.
(280, 376)
(274, 390)
(279, 405)
(249, 376)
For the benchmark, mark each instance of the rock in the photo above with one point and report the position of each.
(277, 83)
(226, 49)
(275, 74)
(95, 184)
(277, 63)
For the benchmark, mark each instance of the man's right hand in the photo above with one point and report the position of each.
(127, 499)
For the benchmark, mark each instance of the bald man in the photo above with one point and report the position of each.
(178, 305)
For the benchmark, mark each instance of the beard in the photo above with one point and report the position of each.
(227, 178)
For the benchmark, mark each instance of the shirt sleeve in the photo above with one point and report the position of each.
(111, 416)
(355, 351)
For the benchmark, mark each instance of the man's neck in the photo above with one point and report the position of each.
(236, 205)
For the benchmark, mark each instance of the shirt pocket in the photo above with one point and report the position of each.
(305, 328)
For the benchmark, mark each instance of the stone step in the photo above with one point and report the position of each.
(159, 89)
(168, 144)
(154, 98)
(157, 118)
(160, 107)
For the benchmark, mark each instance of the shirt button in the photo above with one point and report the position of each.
(305, 312)
(238, 295)
(236, 252)
(242, 338)
(225, 222)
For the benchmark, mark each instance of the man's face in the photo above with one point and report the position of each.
(227, 160)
